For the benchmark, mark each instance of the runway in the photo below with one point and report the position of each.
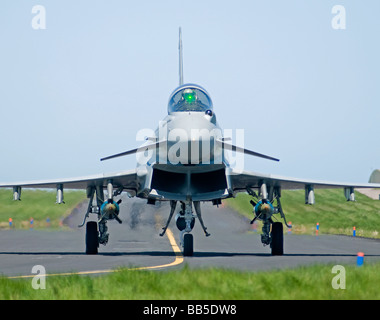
(136, 244)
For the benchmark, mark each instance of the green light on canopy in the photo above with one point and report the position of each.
(189, 96)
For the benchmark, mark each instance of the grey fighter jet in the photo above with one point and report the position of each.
(186, 161)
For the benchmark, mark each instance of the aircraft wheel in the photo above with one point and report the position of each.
(277, 244)
(92, 242)
(188, 245)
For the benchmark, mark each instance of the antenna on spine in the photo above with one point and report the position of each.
(180, 58)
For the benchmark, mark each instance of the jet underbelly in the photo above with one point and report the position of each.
(197, 183)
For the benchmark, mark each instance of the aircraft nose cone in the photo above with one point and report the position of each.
(191, 139)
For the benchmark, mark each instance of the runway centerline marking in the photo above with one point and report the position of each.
(178, 260)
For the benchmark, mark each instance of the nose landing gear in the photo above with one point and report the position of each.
(185, 221)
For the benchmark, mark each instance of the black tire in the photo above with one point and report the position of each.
(277, 244)
(92, 242)
(188, 245)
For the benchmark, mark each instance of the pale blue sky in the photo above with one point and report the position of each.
(102, 70)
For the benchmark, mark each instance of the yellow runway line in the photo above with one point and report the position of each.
(178, 260)
(178, 254)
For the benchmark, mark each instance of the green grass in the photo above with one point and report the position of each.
(334, 214)
(211, 284)
(36, 204)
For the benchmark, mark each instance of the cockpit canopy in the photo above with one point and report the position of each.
(189, 97)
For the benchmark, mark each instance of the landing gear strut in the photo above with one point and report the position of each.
(185, 220)
(96, 231)
(264, 209)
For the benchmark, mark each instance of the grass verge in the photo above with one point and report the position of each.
(36, 204)
(313, 283)
(334, 214)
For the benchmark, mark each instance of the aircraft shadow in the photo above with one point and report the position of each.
(144, 253)
(237, 254)
(196, 254)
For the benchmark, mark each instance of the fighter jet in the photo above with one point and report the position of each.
(185, 161)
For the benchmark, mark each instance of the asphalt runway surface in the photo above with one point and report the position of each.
(136, 244)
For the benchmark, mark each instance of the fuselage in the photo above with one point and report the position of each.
(189, 162)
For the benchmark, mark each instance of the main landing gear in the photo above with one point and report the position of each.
(96, 231)
(263, 209)
(185, 221)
